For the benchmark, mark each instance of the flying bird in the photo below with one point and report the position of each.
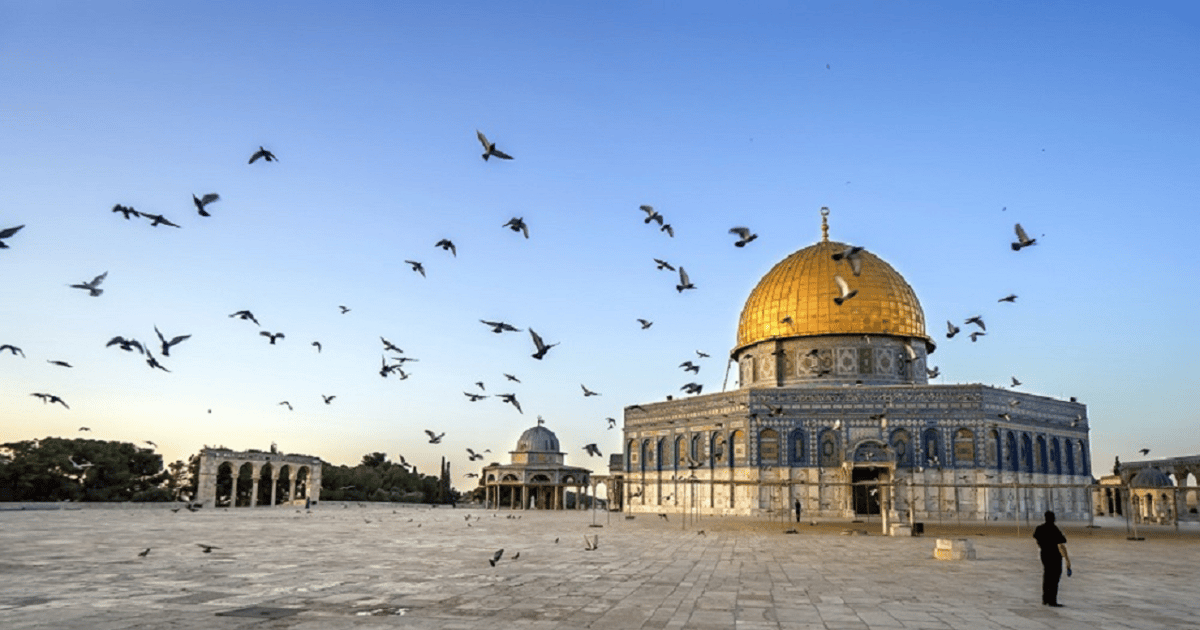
(1015, 382)
(1008, 298)
(978, 321)
(744, 236)
(147, 551)
(327, 399)
(846, 292)
(701, 355)
(92, 287)
(201, 202)
(1144, 451)
(474, 397)
(151, 443)
(976, 335)
(387, 345)
(592, 450)
(158, 219)
(851, 255)
(206, 548)
(684, 281)
(51, 398)
(270, 335)
(512, 399)
(12, 349)
(473, 456)
(499, 327)
(541, 346)
(246, 315)
(587, 392)
(692, 388)
(668, 229)
(127, 211)
(951, 330)
(7, 232)
(1023, 239)
(651, 214)
(645, 323)
(447, 245)
(344, 309)
(934, 373)
(287, 404)
(153, 363)
(417, 267)
(512, 378)
(264, 154)
(489, 148)
(662, 264)
(688, 366)
(612, 422)
(166, 345)
(317, 345)
(128, 345)
(85, 428)
(435, 438)
(517, 224)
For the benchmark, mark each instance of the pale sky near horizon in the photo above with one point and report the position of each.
(929, 129)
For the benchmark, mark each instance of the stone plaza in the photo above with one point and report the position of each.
(402, 566)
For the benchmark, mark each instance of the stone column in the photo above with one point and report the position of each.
(292, 488)
(254, 487)
(274, 485)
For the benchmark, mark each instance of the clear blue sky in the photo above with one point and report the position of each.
(928, 128)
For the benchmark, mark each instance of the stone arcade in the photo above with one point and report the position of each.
(835, 411)
(252, 478)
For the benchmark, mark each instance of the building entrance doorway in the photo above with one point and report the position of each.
(866, 493)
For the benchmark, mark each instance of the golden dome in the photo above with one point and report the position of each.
(801, 287)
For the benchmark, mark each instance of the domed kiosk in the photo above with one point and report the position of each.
(536, 478)
(834, 415)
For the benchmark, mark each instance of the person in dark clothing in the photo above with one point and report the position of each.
(1053, 546)
(797, 510)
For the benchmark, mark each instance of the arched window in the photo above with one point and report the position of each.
(1055, 456)
(797, 447)
(631, 456)
(932, 442)
(995, 450)
(831, 452)
(1039, 461)
(768, 447)
(737, 443)
(1084, 469)
(964, 448)
(680, 452)
(1010, 453)
(1026, 453)
(902, 445)
(659, 448)
(647, 455)
(1069, 449)
(718, 449)
(698, 452)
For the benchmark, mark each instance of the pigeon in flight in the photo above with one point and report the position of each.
(287, 404)
(317, 345)
(645, 323)
(592, 450)
(978, 321)
(489, 148)
(541, 346)
(93, 287)
(153, 363)
(474, 397)
(587, 392)
(688, 366)
(344, 309)
(271, 336)
(12, 350)
(668, 229)
(264, 154)
(933, 373)
(389, 346)
(51, 398)
(512, 378)
(512, 399)
(744, 236)
(158, 219)
(1011, 298)
(127, 211)
(246, 315)
(479, 384)
(201, 202)
(1144, 451)
(151, 443)
(662, 264)
(435, 438)
(128, 345)
(612, 422)
(166, 345)
(976, 335)
(651, 214)
(851, 255)
(473, 456)
(846, 292)
(499, 327)
(692, 388)
(951, 330)
(417, 267)
(1023, 239)
(447, 245)
(85, 428)
(517, 224)
(701, 355)
(327, 399)
(684, 281)
(1015, 382)
(7, 232)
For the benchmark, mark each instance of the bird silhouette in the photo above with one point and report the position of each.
(474, 397)
(587, 392)
(511, 399)
(344, 309)
(1144, 451)
(845, 289)
(489, 148)
(651, 214)
(851, 255)
(1008, 298)
(496, 557)
(1023, 239)
(592, 450)
(417, 267)
(126, 211)
(1015, 382)
(692, 388)
(688, 366)
(153, 363)
(701, 355)
(978, 321)
(435, 438)
(389, 346)
(92, 287)
(85, 428)
(166, 345)
(246, 315)
(951, 330)
(517, 224)
(447, 245)
(287, 404)
(541, 346)
(934, 373)
(499, 327)
(206, 548)
(51, 398)
(668, 229)
(612, 422)
(645, 323)
(512, 378)
(317, 345)
(684, 281)
(473, 456)
(744, 236)
(327, 399)
(976, 335)
(662, 264)
(13, 350)
(264, 154)
(158, 219)
(151, 443)
(7, 232)
(128, 345)
(202, 202)
(270, 335)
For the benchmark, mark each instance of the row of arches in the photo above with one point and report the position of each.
(262, 485)
(1016, 452)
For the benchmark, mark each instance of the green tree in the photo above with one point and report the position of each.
(57, 469)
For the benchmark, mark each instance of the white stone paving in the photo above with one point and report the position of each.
(79, 569)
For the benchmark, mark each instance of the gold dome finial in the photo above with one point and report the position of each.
(824, 223)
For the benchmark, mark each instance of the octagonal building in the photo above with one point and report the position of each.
(835, 415)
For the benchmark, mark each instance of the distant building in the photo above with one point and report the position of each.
(253, 478)
(835, 412)
(1152, 491)
(536, 478)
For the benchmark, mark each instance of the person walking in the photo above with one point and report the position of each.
(797, 510)
(1053, 548)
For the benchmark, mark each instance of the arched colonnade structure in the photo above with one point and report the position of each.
(255, 478)
(1159, 491)
(537, 478)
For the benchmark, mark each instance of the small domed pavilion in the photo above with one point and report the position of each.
(536, 478)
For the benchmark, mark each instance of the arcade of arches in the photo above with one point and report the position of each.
(1153, 491)
(254, 478)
